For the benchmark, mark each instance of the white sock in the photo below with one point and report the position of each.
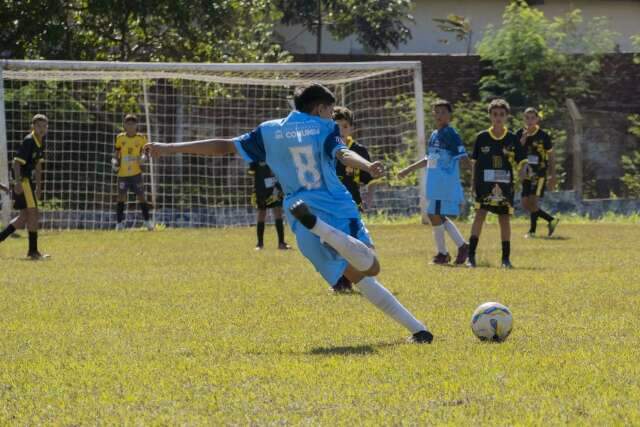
(454, 233)
(359, 255)
(438, 235)
(379, 296)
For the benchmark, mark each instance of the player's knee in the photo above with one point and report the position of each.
(374, 270)
(435, 220)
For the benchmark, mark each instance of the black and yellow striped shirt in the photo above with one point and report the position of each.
(30, 153)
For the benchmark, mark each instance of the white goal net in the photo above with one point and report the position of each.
(86, 102)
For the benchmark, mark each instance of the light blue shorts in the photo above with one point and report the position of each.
(443, 207)
(323, 257)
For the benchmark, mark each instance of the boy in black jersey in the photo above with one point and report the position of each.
(350, 177)
(267, 194)
(540, 159)
(496, 154)
(27, 171)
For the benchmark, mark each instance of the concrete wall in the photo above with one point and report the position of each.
(427, 38)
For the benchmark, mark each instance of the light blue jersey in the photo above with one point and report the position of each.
(443, 171)
(300, 150)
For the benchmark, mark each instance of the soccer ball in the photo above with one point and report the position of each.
(492, 321)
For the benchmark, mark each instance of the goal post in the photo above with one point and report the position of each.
(86, 101)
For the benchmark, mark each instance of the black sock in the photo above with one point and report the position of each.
(260, 229)
(145, 210)
(473, 244)
(33, 242)
(534, 222)
(542, 214)
(506, 250)
(8, 231)
(280, 230)
(120, 212)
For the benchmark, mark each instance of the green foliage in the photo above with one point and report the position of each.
(163, 30)
(631, 177)
(529, 48)
(636, 42)
(377, 25)
(140, 328)
(631, 162)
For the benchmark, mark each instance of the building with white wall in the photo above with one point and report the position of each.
(624, 16)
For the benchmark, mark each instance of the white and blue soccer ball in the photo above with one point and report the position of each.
(492, 321)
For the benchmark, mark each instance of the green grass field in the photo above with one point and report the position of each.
(194, 327)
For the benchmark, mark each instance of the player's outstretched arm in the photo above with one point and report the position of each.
(412, 167)
(354, 160)
(4, 188)
(205, 147)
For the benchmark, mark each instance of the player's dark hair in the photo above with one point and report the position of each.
(343, 113)
(306, 98)
(442, 103)
(131, 118)
(499, 103)
(39, 118)
(532, 111)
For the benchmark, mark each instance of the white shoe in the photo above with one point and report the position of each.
(148, 225)
(119, 226)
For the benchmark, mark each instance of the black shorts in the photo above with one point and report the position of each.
(267, 199)
(131, 183)
(27, 199)
(496, 209)
(534, 187)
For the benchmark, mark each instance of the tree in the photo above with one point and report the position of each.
(458, 25)
(145, 30)
(631, 163)
(377, 24)
(529, 49)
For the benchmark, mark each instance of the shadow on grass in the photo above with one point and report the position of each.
(350, 350)
(559, 238)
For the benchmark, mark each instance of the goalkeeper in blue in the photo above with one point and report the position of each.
(445, 152)
(301, 150)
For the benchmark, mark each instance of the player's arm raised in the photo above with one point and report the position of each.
(354, 160)
(205, 147)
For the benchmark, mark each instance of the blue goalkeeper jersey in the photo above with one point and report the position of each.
(443, 167)
(301, 151)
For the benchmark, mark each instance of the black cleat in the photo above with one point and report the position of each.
(506, 264)
(301, 212)
(552, 225)
(343, 286)
(471, 262)
(37, 256)
(422, 337)
(283, 246)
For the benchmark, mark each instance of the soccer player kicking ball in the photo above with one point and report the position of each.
(301, 150)
(495, 154)
(444, 190)
(540, 157)
(27, 162)
(127, 164)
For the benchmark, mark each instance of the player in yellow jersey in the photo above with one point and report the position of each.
(127, 163)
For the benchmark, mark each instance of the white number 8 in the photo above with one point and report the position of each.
(308, 173)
